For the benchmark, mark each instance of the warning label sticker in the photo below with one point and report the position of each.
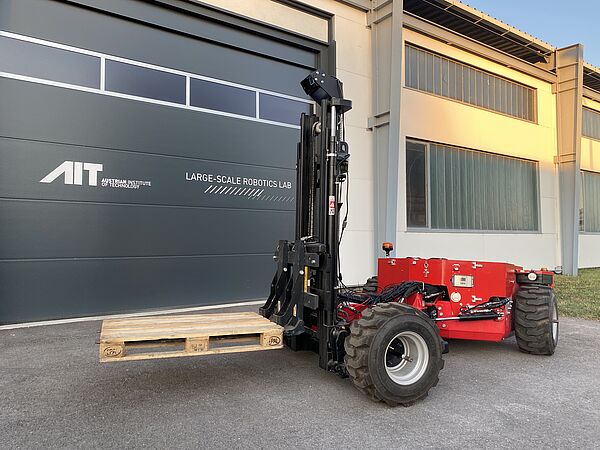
(332, 205)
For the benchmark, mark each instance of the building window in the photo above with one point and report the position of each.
(281, 109)
(36, 60)
(590, 195)
(54, 64)
(221, 97)
(438, 75)
(416, 184)
(591, 123)
(452, 188)
(144, 82)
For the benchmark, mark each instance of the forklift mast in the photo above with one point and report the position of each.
(303, 297)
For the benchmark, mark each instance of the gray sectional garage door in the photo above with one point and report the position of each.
(146, 155)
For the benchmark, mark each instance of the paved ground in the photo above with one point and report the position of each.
(54, 393)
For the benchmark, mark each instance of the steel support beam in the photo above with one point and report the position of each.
(385, 20)
(569, 95)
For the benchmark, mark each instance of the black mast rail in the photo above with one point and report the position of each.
(303, 297)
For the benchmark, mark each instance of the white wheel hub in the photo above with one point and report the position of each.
(406, 358)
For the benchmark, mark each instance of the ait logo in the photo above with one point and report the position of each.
(73, 172)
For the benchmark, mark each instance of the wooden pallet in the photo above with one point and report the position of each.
(187, 335)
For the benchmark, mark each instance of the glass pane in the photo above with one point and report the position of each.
(409, 64)
(429, 73)
(459, 82)
(281, 109)
(437, 192)
(445, 78)
(466, 91)
(591, 123)
(591, 195)
(520, 106)
(481, 191)
(437, 75)
(478, 189)
(485, 101)
(531, 104)
(479, 89)
(472, 87)
(48, 63)
(220, 97)
(452, 80)
(503, 96)
(514, 100)
(144, 82)
(414, 67)
(416, 192)
(498, 94)
(587, 121)
(422, 70)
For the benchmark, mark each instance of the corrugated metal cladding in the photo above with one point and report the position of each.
(147, 155)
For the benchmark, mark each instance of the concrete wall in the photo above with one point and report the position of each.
(427, 117)
(589, 243)
(353, 66)
(354, 56)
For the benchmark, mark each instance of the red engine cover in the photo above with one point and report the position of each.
(467, 283)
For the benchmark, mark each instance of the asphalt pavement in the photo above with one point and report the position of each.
(55, 394)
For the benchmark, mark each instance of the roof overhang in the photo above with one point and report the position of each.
(476, 25)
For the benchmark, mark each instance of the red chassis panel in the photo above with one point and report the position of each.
(468, 283)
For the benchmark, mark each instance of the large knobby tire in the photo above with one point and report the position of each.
(394, 354)
(536, 319)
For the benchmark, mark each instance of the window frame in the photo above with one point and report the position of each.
(188, 76)
(473, 69)
(429, 229)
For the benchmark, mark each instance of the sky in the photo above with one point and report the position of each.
(557, 22)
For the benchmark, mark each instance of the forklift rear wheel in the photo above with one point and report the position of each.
(536, 319)
(394, 354)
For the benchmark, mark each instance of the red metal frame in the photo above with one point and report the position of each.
(489, 280)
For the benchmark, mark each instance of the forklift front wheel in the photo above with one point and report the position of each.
(394, 354)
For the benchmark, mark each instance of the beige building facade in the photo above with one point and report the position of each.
(372, 41)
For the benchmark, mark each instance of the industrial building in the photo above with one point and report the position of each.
(147, 148)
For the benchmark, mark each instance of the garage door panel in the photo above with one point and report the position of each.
(42, 230)
(242, 56)
(94, 120)
(147, 154)
(39, 170)
(104, 286)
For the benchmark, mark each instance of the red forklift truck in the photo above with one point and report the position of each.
(388, 336)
